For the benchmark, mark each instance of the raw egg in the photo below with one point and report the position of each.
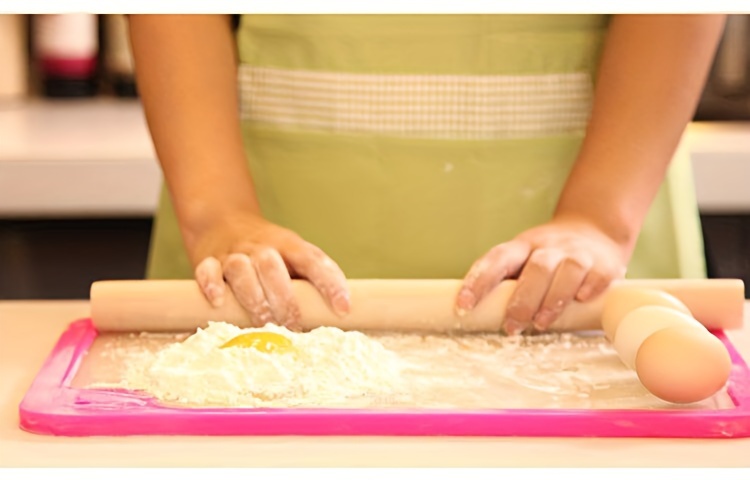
(622, 299)
(641, 323)
(683, 365)
(266, 342)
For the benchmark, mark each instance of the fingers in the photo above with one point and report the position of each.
(262, 285)
(243, 279)
(598, 280)
(310, 262)
(556, 263)
(277, 287)
(550, 281)
(566, 283)
(532, 287)
(210, 278)
(504, 260)
(261, 282)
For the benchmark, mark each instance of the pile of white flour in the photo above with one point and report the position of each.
(328, 365)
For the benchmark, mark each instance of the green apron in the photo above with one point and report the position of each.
(406, 146)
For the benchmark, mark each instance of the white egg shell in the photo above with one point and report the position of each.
(643, 322)
(621, 300)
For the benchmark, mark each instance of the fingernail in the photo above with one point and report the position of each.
(542, 320)
(513, 327)
(341, 304)
(293, 326)
(465, 302)
(215, 294)
(293, 319)
(265, 318)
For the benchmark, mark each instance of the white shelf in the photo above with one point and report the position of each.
(93, 158)
(720, 153)
(76, 158)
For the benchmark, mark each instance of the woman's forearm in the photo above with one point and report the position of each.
(186, 72)
(650, 79)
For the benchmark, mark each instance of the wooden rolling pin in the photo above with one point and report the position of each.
(399, 305)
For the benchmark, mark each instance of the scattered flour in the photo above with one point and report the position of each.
(337, 369)
(328, 365)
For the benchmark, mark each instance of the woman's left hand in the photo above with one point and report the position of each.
(564, 260)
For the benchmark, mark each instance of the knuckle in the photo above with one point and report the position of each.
(321, 268)
(497, 251)
(597, 281)
(266, 258)
(202, 272)
(505, 249)
(207, 267)
(236, 262)
(288, 239)
(546, 255)
(328, 266)
(315, 252)
(328, 263)
(208, 262)
(602, 284)
(577, 261)
(544, 261)
(304, 256)
(603, 274)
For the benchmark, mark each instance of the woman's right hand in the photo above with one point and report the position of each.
(257, 259)
(199, 144)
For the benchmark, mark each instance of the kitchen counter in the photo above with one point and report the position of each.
(94, 158)
(31, 328)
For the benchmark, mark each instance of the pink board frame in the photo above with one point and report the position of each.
(52, 407)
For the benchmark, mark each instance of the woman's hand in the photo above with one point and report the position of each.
(649, 80)
(257, 259)
(199, 145)
(564, 260)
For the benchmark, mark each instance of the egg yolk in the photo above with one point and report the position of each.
(266, 342)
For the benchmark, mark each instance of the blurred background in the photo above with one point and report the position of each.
(79, 179)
